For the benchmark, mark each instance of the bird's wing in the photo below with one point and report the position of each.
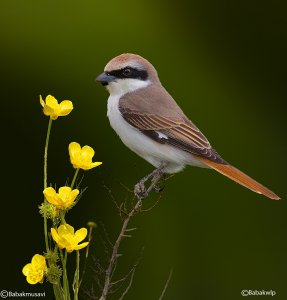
(187, 137)
(182, 134)
(161, 119)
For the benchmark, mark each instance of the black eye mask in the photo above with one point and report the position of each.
(129, 72)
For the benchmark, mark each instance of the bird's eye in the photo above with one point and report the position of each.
(127, 72)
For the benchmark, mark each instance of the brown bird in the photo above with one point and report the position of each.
(150, 123)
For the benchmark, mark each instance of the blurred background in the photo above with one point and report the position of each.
(225, 64)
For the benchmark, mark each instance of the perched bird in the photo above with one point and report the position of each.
(150, 123)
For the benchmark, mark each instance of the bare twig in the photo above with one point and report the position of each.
(166, 285)
(129, 285)
(130, 274)
(141, 193)
(121, 206)
(116, 285)
(102, 225)
(115, 254)
(99, 271)
(153, 206)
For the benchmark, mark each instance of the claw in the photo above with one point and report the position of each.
(158, 188)
(140, 190)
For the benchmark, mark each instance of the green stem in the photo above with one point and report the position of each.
(64, 272)
(46, 230)
(67, 281)
(45, 181)
(63, 213)
(62, 216)
(65, 277)
(46, 152)
(76, 283)
(57, 292)
(56, 287)
(87, 254)
(74, 178)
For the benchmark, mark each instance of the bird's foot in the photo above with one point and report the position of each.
(158, 188)
(140, 190)
(157, 182)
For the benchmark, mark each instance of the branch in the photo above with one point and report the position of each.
(141, 192)
(115, 255)
(166, 285)
(129, 285)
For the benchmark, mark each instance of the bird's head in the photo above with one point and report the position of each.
(126, 73)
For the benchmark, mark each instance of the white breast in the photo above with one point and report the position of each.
(152, 151)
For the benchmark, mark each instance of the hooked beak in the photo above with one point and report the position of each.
(105, 78)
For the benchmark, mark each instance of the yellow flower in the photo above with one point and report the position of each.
(52, 108)
(65, 237)
(63, 199)
(35, 270)
(81, 158)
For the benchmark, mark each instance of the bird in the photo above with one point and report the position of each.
(150, 122)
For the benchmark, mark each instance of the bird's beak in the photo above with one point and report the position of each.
(105, 78)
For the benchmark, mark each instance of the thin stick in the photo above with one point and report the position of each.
(76, 283)
(129, 285)
(166, 285)
(46, 152)
(114, 256)
(46, 181)
(156, 174)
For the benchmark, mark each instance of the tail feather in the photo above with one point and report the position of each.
(241, 178)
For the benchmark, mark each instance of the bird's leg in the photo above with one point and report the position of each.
(159, 187)
(141, 191)
(139, 188)
(154, 181)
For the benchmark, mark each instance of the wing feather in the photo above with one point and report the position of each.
(181, 134)
(155, 113)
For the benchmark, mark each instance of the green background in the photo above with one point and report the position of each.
(225, 64)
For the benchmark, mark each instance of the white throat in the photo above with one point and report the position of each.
(120, 87)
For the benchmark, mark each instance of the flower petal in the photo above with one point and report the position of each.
(32, 279)
(81, 246)
(74, 194)
(53, 112)
(96, 164)
(66, 107)
(42, 102)
(88, 151)
(65, 229)
(64, 191)
(27, 269)
(70, 249)
(55, 235)
(74, 149)
(81, 234)
(50, 194)
(39, 261)
(51, 101)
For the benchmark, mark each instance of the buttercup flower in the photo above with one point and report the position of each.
(53, 109)
(81, 158)
(35, 270)
(63, 199)
(65, 237)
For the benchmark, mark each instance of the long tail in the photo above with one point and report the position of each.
(240, 177)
